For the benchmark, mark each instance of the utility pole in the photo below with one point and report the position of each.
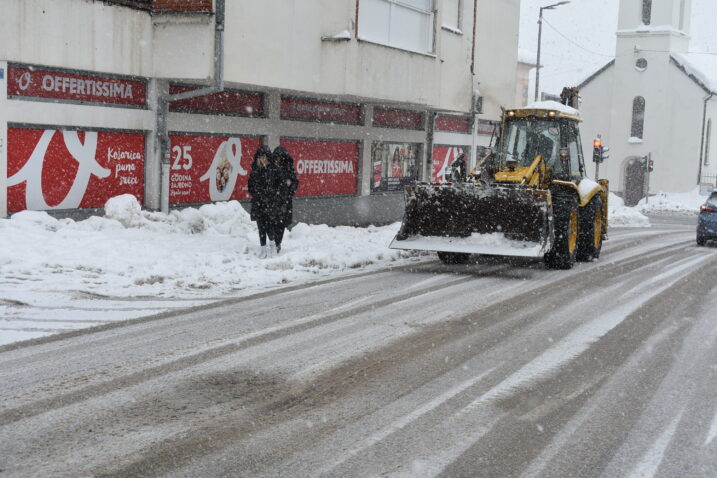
(540, 35)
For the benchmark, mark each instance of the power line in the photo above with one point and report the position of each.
(574, 43)
(631, 52)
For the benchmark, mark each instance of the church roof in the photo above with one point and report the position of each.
(596, 74)
(701, 68)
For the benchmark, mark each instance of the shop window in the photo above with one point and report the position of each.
(646, 11)
(638, 117)
(451, 15)
(708, 136)
(405, 24)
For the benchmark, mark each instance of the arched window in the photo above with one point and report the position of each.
(638, 117)
(646, 11)
(708, 135)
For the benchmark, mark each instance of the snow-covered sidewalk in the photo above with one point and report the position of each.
(65, 274)
(58, 275)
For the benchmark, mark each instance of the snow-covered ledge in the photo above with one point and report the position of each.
(451, 29)
(343, 36)
(634, 140)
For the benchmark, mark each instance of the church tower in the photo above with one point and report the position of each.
(643, 93)
(650, 100)
(654, 25)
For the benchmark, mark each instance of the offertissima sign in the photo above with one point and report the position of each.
(41, 83)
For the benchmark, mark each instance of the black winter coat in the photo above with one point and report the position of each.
(288, 182)
(264, 188)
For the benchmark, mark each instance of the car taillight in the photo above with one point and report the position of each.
(704, 208)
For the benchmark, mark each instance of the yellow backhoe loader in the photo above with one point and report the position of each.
(530, 197)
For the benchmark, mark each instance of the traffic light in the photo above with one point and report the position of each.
(599, 151)
(647, 163)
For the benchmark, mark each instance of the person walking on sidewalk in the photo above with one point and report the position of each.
(264, 191)
(288, 182)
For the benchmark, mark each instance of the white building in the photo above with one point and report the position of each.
(367, 95)
(654, 97)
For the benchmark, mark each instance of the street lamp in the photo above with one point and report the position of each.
(540, 34)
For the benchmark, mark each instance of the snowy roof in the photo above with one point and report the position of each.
(527, 57)
(653, 28)
(596, 73)
(553, 105)
(702, 68)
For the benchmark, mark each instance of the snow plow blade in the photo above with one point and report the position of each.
(478, 219)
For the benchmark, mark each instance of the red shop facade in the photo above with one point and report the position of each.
(71, 140)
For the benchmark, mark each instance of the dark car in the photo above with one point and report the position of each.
(707, 221)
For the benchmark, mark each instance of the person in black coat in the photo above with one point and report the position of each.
(264, 191)
(288, 182)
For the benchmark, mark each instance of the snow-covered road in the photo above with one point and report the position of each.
(63, 275)
(491, 369)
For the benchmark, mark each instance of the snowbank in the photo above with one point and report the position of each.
(620, 215)
(681, 203)
(188, 253)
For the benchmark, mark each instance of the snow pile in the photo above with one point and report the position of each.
(622, 216)
(682, 203)
(189, 253)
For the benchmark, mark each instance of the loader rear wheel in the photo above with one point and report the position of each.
(591, 231)
(453, 257)
(565, 247)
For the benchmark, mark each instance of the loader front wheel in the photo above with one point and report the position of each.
(453, 257)
(591, 231)
(565, 246)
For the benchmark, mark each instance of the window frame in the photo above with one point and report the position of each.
(637, 124)
(646, 11)
(431, 22)
(708, 135)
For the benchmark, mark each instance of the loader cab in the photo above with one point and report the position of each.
(553, 135)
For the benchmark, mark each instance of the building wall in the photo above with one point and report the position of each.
(497, 53)
(79, 34)
(278, 43)
(522, 94)
(274, 49)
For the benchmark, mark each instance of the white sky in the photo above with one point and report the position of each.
(589, 26)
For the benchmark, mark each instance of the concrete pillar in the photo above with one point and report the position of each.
(273, 110)
(3, 139)
(153, 150)
(365, 172)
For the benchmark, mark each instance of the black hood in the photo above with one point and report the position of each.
(286, 159)
(263, 151)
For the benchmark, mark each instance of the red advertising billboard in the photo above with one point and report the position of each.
(33, 82)
(64, 169)
(227, 102)
(321, 111)
(324, 167)
(456, 124)
(443, 157)
(391, 118)
(207, 168)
